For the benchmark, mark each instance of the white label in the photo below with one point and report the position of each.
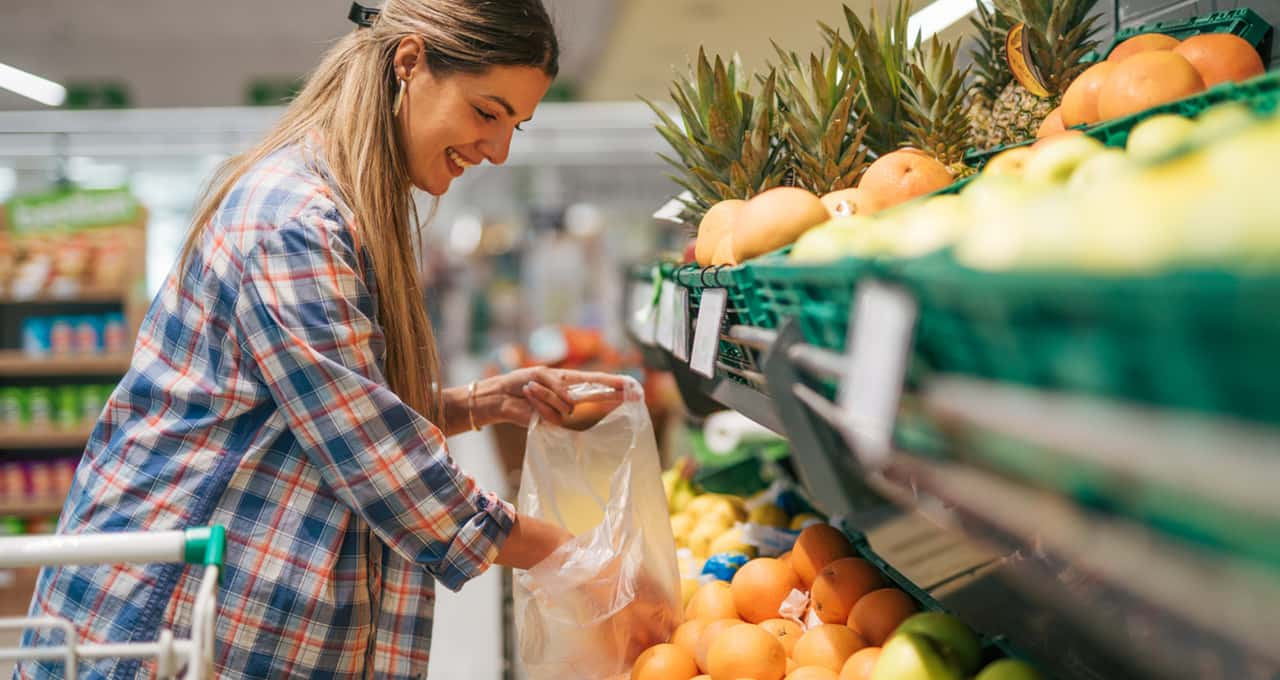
(681, 341)
(666, 334)
(671, 210)
(643, 313)
(882, 322)
(706, 335)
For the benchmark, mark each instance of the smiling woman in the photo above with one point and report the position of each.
(285, 382)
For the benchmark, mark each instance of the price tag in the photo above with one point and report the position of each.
(681, 341)
(706, 335)
(643, 313)
(882, 322)
(666, 332)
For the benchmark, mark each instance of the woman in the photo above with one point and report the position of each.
(284, 382)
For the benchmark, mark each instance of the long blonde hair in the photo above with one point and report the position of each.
(348, 100)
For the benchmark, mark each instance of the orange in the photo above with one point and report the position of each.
(664, 662)
(812, 673)
(1221, 57)
(786, 630)
(816, 547)
(1080, 101)
(1145, 42)
(785, 557)
(760, 586)
(858, 201)
(1145, 80)
(791, 665)
(828, 646)
(1052, 124)
(708, 637)
(687, 634)
(839, 586)
(1054, 139)
(713, 600)
(879, 612)
(902, 175)
(724, 251)
(861, 664)
(714, 225)
(746, 651)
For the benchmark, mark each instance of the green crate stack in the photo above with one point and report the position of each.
(742, 309)
(818, 296)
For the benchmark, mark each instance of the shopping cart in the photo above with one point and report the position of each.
(202, 546)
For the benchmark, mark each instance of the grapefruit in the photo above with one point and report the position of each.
(1221, 57)
(717, 222)
(828, 646)
(786, 630)
(840, 585)
(1145, 80)
(902, 175)
(664, 662)
(760, 586)
(1146, 42)
(724, 251)
(773, 219)
(879, 612)
(812, 673)
(746, 651)
(861, 664)
(713, 600)
(708, 637)
(855, 201)
(816, 547)
(1080, 101)
(1052, 124)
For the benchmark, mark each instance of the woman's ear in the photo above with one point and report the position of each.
(410, 56)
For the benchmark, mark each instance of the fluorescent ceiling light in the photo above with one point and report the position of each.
(938, 16)
(32, 86)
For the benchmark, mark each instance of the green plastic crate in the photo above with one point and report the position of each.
(1243, 22)
(740, 472)
(1201, 340)
(742, 309)
(817, 295)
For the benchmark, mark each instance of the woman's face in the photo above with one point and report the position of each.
(450, 123)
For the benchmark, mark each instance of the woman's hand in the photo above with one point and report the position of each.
(514, 397)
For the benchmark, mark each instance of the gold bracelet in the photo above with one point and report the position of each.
(471, 405)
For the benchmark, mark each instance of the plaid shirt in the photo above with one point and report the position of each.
(256, 400)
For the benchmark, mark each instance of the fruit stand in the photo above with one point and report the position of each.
(1052, 357)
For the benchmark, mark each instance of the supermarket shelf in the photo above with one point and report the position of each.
(44, 438)
(32, 507)
(18, 363)
(86, 295)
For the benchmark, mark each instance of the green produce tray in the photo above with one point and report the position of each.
(993, 648)
(742, 309)
(740, 472)
(817, 295)
(1201, 340)
(1243, 22)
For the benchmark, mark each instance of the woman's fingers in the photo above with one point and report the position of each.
(546, 403)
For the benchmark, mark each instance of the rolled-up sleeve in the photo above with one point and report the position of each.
(307, 319)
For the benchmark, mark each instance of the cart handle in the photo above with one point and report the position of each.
(198, 545)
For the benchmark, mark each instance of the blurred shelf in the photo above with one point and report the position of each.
(85, 295)
(32, 507)
(18, 363)
(44, 438)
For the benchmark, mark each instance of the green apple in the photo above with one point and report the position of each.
(1100, 168)
(933, 224)
(831, 240)
(1054, 163)
(1008, 669)
(1159, 136)
(953, 640)
(1222, 120)
(907, 656)
(1010, 162)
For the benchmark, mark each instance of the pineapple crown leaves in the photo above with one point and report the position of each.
(1060, 34)
(934, 93)
(991, 65)
(726, 145)
(821, 126)
(877, 53)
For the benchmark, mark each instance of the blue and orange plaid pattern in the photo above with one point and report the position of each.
(256, 400)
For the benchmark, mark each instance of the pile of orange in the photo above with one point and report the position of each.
(1149, 70)
(736, 630)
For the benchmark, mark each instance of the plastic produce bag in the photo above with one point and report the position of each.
(590, 608)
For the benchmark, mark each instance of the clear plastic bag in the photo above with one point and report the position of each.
(590, 608)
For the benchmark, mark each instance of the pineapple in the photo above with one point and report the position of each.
(933, 103)
(1059, 33)
(821, 126)
(877, 54)
(729, 144)
(991, 72)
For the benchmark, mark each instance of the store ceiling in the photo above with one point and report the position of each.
(206, 53)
